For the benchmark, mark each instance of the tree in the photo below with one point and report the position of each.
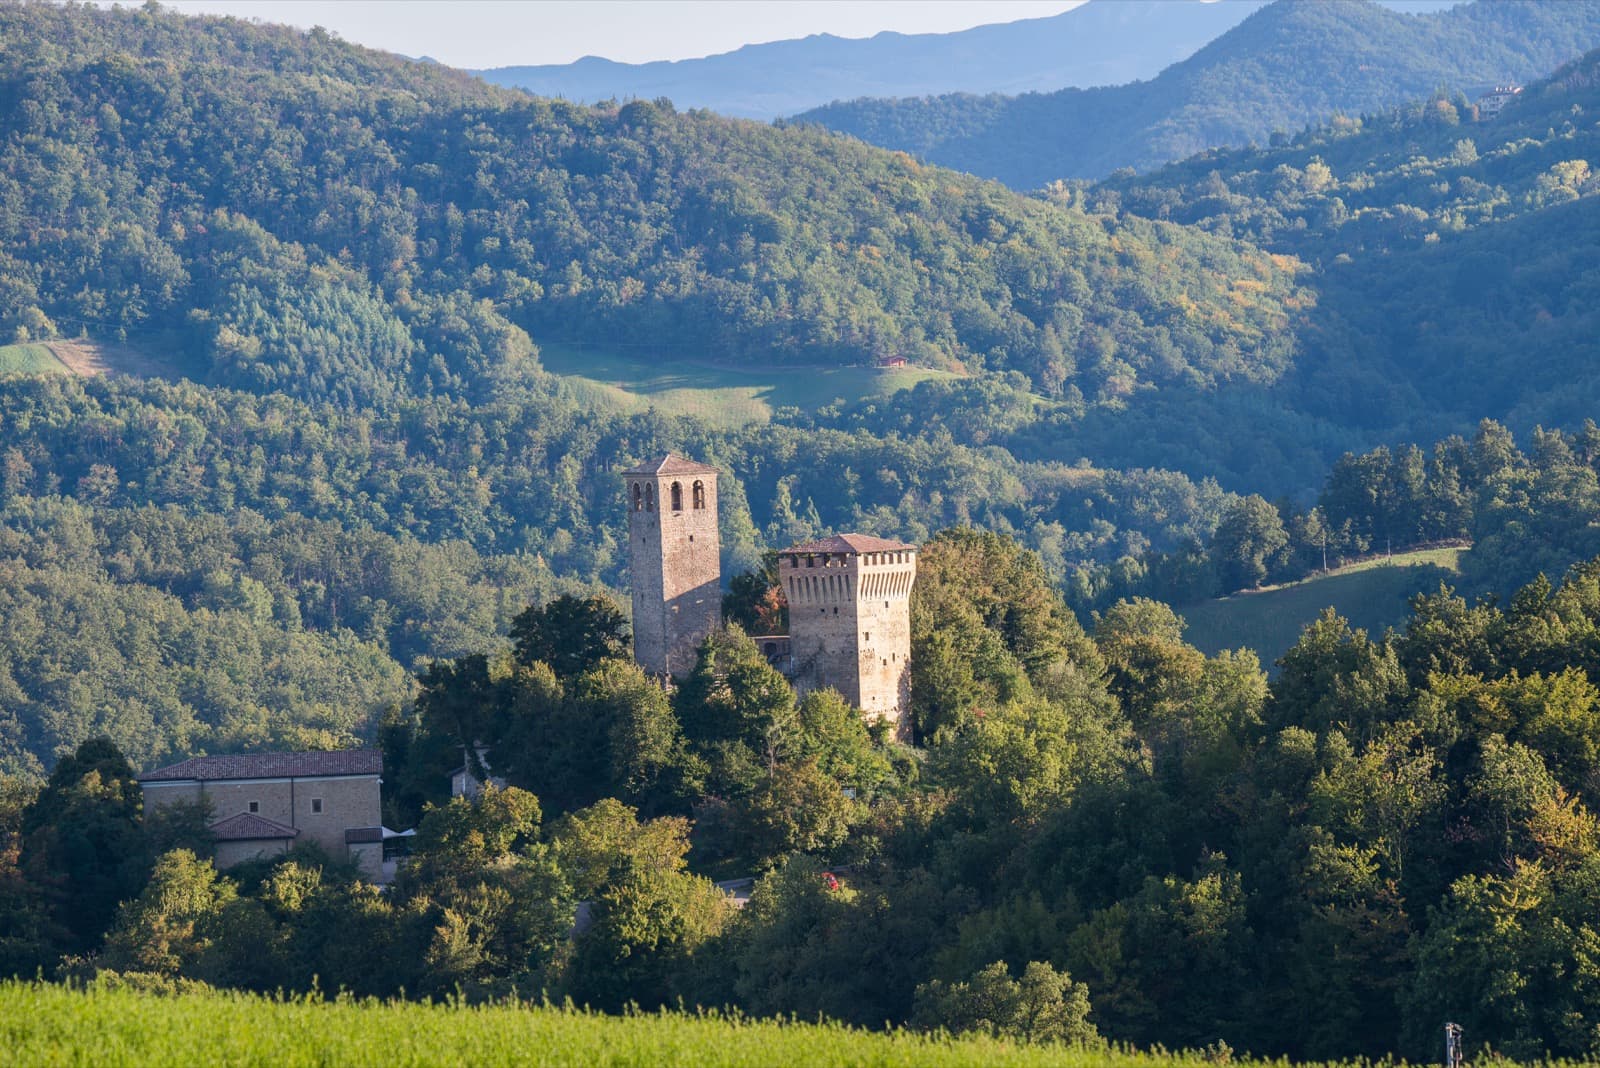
(81, 844)
(571, 634)
(1044, 1005)
(1249, 544)
(170, 925)
(497, 903)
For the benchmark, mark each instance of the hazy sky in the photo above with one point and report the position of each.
(498, 33)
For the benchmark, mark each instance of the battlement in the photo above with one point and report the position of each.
(850, 620)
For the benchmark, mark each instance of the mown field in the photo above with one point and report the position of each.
(722, 396)
(1372, 595)
(49, 1024)
(30, 359)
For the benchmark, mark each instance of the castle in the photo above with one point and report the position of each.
(849, 595)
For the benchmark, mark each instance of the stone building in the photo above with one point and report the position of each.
(850, 621)
(263, 804)
(676, 560)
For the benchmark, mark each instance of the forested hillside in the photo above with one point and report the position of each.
(1103, 835)
(300, 217)
(1453, 259)
(1294, 62)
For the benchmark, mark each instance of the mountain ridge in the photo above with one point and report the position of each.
(1288, 64)
(1097, 43)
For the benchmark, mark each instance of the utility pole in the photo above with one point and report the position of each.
(1452, 1045)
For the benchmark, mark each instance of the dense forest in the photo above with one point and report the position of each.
(373, 470)
(1101, 835)
(1292, 63)
(357, 509)
(356, 228)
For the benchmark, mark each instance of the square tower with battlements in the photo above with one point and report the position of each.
(850, 621)
(676, 559)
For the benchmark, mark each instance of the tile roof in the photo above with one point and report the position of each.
(852, 543)
(271, 766)
(671, 464)
(248, 827)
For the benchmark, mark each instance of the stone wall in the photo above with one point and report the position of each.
(677, 568)
(850, 627)
(346, 802)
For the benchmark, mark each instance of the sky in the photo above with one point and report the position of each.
(496, 33)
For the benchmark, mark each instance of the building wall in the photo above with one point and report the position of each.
(850, 627)
(348, 801)
(677, 570)
(231, 853)
(369, 858)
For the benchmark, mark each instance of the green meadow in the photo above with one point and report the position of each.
(29, 359)
(1372, 595)
(46, 1024)
(616, 382)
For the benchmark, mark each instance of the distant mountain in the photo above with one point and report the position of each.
(1292, 63)
(1102, 42)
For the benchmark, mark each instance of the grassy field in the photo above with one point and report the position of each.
(44, 1024)
(31, 359)
(1371, 595)
(721, 396)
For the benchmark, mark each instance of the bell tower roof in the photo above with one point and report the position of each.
(670, 464)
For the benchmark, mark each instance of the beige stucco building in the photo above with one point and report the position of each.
(676, 561)
(264, 804)
(850, 621)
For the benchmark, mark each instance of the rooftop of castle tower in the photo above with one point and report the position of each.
(671, 464)
(852, 543)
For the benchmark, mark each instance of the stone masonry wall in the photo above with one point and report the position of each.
(850, 627)
(677, 569)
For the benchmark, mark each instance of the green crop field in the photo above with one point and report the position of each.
(722, 396)
(1372, 595)
(31, 359)
(42, 1024)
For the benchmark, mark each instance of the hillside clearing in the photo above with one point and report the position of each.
(1372, 594)
(29, 359)
(82, 357)
(722, 396)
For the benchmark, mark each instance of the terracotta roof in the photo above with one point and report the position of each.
(248, 827)
(852, 543)
(271, 766)
(671, 464)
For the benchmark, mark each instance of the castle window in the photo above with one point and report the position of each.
(677, 497)
(255, 806)
(699, 495)
(316, 806)
(866, 637)
(649, 498)
(811, 561)
(638, 498)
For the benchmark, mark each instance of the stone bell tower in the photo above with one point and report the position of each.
(676, 559)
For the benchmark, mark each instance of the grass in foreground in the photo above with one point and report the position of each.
(41, 1023)
(29, 359)
(722, 396)
(1373, 594)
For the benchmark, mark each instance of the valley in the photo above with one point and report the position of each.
(324, 370)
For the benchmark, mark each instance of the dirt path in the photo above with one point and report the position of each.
(92, 358)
